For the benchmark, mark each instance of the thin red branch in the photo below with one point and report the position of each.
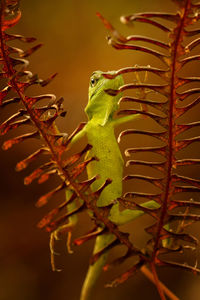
(171, 133)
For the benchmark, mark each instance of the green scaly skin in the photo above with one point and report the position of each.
(100, 134)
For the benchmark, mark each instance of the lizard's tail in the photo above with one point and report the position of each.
(95, 269)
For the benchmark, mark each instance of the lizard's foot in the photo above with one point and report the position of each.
(55, 236)
(52, 252)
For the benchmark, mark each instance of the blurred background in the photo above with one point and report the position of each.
(74, 46)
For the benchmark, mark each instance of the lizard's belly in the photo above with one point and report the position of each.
(109, 164)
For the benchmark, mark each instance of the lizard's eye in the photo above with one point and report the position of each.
(93, 81)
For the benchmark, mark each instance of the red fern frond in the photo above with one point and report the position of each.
(54, 144)
(167, 137)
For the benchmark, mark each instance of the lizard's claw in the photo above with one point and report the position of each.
(69, 237)
(53, 253)
(55, 236)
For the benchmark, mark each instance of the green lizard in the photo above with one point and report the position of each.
(100, 134)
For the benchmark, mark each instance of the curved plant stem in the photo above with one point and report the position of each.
(150, 276)
(157, 282)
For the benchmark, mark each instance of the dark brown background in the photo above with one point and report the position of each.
(74, 46)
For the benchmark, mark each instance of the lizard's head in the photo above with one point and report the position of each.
(101, 105)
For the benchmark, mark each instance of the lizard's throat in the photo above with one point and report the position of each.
(101, 113)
